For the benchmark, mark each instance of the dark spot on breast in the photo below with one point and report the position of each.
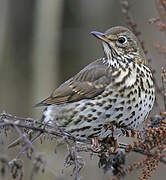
(104, 101)
(96, 129)
(137, 81)
(139, 91)
(110, 92)
(122, 95)
(75, 112)
(147, 74)
(99, 104)
(93, 110)
(119, 109)
(148, 83)
(141, 84)
(133, 99)
(138, 70)
(129, 101)
(100, 125)
(129, 108)
(136, 105)
(122, 90)
(130, 123)
(108, 107)
(151, 77)
(119, 116)
(114, 100)
(90, 115)
(142, 74)
(131, 93)
(94, 118)
(80, 129)
(89, 104)
(122, 102)
(83, 108)
(99, 97)
(133, 113)
(134, 65)
(77, 121)
(126, 119)
(83, 135)
(99, 113)
(88, 120)
(135, 91)
(110, 100)
(107, 115)
(84, 128)
(141, 102)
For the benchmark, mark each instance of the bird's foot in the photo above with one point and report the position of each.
(94, 144)
(114, 146)
(110, 144)
(125, 131)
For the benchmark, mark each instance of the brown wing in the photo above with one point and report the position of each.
(88, 83)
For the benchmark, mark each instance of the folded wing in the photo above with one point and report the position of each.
(88, 83)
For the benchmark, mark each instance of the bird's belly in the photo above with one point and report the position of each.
(87, 118)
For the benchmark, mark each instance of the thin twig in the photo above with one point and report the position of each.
(163, 76)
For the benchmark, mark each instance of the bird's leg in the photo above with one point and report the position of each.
(112, 141)
(109, 126)
(113, 144)
(94, 143)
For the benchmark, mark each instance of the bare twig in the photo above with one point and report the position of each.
(9, 120)
(149, 143)
(163, 76)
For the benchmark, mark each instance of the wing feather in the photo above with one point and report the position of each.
(88, 83)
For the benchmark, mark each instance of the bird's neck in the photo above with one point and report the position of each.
(118, 58)
(116, 62)
(122, 61)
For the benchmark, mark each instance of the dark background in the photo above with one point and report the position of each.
(44, 42)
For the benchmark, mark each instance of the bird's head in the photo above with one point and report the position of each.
(120, 43)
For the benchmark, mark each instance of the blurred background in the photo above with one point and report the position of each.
(44, 42)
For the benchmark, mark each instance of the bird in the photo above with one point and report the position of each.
(117, 88)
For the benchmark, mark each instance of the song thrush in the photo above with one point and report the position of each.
(116, 88)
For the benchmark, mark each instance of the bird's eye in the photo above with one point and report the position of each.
(122, 40)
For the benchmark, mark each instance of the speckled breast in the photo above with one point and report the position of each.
(126, 101)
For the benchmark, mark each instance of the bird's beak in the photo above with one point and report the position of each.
(100, 36)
